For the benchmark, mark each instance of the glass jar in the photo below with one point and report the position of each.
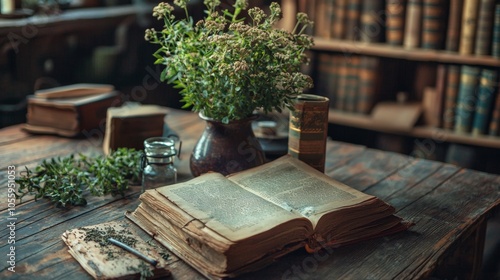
(158, 163)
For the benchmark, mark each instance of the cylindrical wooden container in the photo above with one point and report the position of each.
(308, 130)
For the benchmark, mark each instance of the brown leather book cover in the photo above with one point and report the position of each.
(451, 93)
(469, 24)
(454, 25)
(69, 116)
(338, 11)
(371, 22)
(309, 129)
(494, 127)
(433, 22)
(129, 126)
(395, 11)
(368, 84)
(495, 44)
(352, 20)
(484, 27)
(352, 84)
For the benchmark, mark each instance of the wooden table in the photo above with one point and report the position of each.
(449, 205)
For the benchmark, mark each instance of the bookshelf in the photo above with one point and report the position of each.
(365, 122)
(425, 41)
(399, 52)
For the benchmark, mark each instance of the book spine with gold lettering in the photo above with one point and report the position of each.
(484, 27)
(352, 83)
(341, 94)
(454, 25)
(433, 14)
(352, 20)
(327, 75)
(469, 78)
(371, 21)
(368, 78)
(451, 92)
(469, 23)
(486, 94)
(494, 126)
(495, 44)
(395, 21)
(338, 17)
(309, 129)
(321, 20)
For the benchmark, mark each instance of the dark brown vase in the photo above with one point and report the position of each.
(226, 148)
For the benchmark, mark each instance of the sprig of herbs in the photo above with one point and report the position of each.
(64, 180)
(226, 65)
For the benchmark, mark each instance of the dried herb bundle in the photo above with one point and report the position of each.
(65, 180)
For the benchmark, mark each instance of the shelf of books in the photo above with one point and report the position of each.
(443, 54)
(442, 135)
(399, 52)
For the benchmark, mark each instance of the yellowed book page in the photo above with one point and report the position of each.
(299, 188)
(226, 208)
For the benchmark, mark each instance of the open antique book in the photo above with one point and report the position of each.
(225, 226)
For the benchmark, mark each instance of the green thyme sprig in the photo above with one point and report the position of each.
(65, 180)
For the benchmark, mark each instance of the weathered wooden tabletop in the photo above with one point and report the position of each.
(448, 204)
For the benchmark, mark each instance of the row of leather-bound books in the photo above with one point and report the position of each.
(471, 99)
(464, 26)
(467, 96)
(350, 82)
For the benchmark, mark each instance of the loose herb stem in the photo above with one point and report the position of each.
(65, 180)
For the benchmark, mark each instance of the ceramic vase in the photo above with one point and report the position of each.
(226, 148)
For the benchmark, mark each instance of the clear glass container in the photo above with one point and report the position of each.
(158, 163)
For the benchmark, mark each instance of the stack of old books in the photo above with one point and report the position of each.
(226, 226)
(70, 110)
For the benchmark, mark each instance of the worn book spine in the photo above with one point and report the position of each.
(486, 94)
(395, 21)
(451, 92)
(352, 83)
(413, 24)
(309, 129)
(326, 75)
(466, 98)
(454, 25)
(371, 21)
(343, 70)
(339, 17)
(433, 15)
(439, 98)
(321, 24)
(495, 44)
(77, 116)
(484, 27)
(334, 77)
(368, 75)
(469, 23)
(494, 126)
(352, 20)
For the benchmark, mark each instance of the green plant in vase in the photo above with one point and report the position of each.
(227, 66)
